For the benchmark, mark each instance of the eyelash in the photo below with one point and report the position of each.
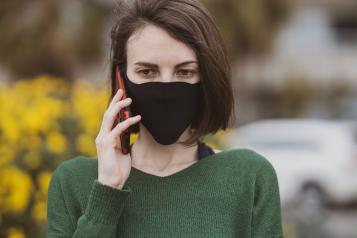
(190, 72)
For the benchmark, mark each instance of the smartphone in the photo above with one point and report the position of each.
(124, 114)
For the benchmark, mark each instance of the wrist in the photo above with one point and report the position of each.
(113, 184)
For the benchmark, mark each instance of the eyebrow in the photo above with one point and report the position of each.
(147, 64)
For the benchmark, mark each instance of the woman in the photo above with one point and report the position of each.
(171, 184)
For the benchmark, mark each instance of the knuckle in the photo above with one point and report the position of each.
(102, 142)
(121, 126)
(127, 122)
(98, 142)
(119, 105)
(111, 142)
(122, 103)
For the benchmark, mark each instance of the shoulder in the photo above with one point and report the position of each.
(76, 169)
(71, 182)
(244, 162)
(74, 177)
(244, 157)
(248, 165)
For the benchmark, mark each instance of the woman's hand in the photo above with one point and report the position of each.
(113, 166)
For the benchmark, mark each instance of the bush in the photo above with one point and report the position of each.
(44, 121)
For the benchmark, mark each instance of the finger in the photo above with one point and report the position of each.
(118, 95)
(122, 126)
(111, 113)
(119, 105)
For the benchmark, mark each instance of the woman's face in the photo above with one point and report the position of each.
(153, 55)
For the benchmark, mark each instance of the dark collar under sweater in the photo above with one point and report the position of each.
(203, 150)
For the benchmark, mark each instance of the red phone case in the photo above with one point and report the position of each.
(123, 115)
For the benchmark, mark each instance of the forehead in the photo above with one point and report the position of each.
(154, 44)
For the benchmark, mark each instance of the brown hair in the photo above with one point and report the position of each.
(189, 22)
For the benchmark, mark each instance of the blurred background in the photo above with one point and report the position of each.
(295, 82)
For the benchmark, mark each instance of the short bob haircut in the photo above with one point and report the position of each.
(189, 22)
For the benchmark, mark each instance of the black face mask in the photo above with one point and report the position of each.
(167, 109)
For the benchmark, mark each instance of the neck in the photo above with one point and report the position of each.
(147, 153)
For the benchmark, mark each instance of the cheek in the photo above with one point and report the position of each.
(196, 79)
(133, 77)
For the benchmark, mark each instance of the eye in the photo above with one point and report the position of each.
(147, 73)
(185, 73)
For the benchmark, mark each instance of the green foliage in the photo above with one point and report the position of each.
(55, 37)
(248, 26)
(50, 37)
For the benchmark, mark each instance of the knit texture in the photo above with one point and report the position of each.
(233, 193)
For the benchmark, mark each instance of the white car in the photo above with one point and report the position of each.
(309, 155)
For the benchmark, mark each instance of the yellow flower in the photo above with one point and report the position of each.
(32, 159)
(34, 117)
(10, 129)
(43, 180)
(29, 107)
(15, 232)
(37, 104)
(30, 141)
(41, 115)
(56, 142)
(15, 189)
(133, 137)
(39, 211)
(86, 144)
(212, 144)
(88, 105)
(7, 154)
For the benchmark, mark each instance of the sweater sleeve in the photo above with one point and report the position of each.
(99, 219)
(266, 217)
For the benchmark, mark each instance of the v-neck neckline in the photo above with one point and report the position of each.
(204, 152)
(182, 172)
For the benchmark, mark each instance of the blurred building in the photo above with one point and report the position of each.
(317, 44)
(319, 41)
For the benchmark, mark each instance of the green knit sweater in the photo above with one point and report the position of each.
(233, 193)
